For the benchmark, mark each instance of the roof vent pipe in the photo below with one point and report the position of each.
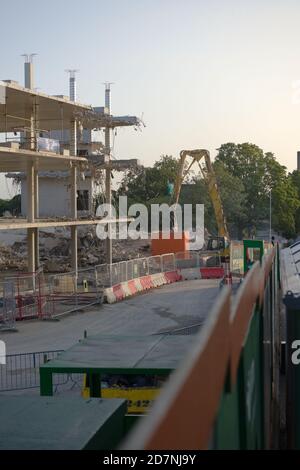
(29, 70)
(107, 95)
(72, 84)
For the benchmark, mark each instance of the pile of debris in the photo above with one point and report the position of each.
(55, 251)
(12, 259)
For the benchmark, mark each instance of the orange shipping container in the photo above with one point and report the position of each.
(160, 246)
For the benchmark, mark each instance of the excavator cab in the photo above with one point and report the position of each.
(221, 244)
(216, 244)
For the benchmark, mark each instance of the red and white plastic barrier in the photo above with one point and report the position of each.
(217, 272)
(188, 274)
(142, 284)
(129, 288)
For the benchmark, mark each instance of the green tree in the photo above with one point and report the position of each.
(12, 205)
(233, 196)
(150, 185)
(260, 173)
(295, 179)
(246, 176)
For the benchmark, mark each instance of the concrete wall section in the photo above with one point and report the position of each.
(55, 197)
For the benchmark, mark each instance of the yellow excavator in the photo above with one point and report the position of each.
(202, 158)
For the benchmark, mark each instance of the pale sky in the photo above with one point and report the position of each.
(201, 73)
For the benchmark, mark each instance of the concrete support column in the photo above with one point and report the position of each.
(30, 192)
(73, 138)
(32, 184)
(74, 238)
(32, 214)
(31, 250)
(36, 248)
(91, 193)
(32, 134)
(36, 215)
(74, 192)
(74, 249)
(36, 194)
(109, 257)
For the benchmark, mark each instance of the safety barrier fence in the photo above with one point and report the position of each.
(8, 306)
(237, 258)
(148, 273)
(30, 294)
(60, 294)
(224, 395)
(21, 372)
(73, 291)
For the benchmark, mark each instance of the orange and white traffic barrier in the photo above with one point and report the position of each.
(109, 295)
(173, 276)
(130, 288)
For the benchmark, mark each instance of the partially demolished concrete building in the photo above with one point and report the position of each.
(29, 121)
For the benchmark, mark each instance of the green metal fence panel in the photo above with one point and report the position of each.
(240, 420)
(268, 361)
(226, 431)
(250, 387)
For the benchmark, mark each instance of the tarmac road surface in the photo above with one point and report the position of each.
(169, 308)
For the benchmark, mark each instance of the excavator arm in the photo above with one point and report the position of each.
(209, 176)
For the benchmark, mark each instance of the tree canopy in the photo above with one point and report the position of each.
(13, 205)
(264, 178)
(149, 185)
(248, 178)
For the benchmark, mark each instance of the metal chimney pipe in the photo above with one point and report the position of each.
(107, 96)
(298, 161)
(29, 71)
(73, 90)
(72, 84)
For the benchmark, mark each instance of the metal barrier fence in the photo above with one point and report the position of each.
(21, 372)
(69, 292)
(237, 258)
(224, 394)
(8, 306)
(193, 259)
(30, 294)
(132, 269)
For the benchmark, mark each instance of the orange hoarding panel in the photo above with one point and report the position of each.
(174, 244)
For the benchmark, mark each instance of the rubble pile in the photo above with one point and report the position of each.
(55, 251)
(12, 259)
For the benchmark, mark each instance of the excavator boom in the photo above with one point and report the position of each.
(209, 176)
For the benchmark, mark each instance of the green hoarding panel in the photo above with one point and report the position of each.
(226, 431)
(250, 387)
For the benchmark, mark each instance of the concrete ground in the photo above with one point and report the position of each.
(169, 308)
